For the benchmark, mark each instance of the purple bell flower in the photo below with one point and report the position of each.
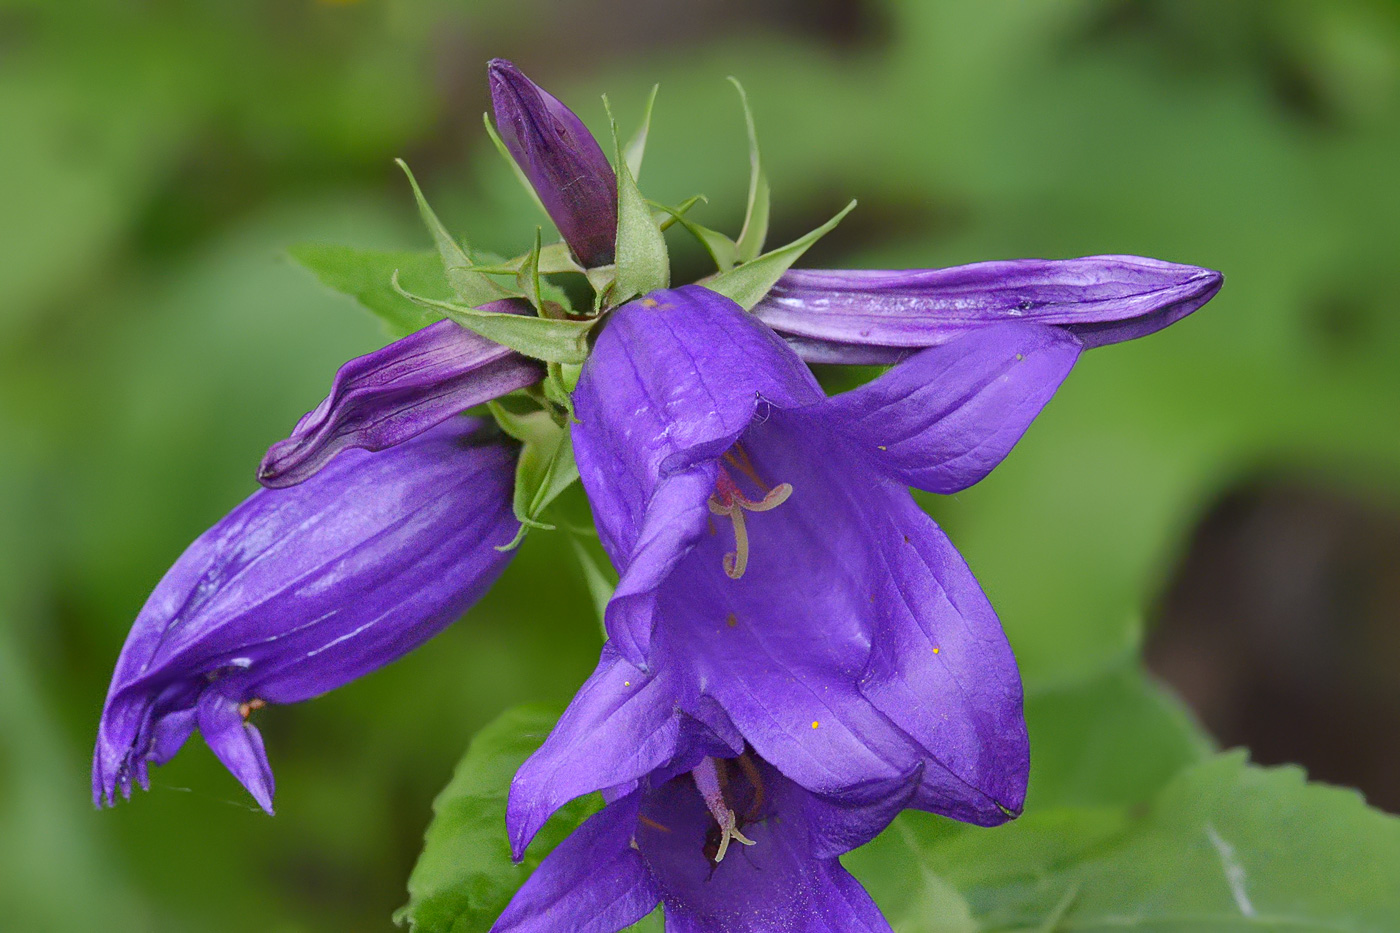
(388, 396)
(298, 591)
(881, 316)
(778, 582)
(726, 843)
(562, 160)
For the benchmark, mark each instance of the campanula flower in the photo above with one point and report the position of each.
(726, 843)
(776, 574)
(881, 316)
(561, 160)
(298, 591)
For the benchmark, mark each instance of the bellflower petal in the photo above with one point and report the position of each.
(621, 725)
(778, 620)
(562, 160)
(879, 316)
(594, 882)
(661, 843)
(298, 591)
(943, 418)
(386, 397)
(672, 382)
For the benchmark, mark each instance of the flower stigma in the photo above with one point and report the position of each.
(729, 500)
(711, 778)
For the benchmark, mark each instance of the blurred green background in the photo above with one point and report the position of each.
(1232, 481)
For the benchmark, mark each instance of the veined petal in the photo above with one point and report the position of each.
(386, 397)
(941, 670)
(879, 316)
(562, 160)
(298, 591)
(593, 882)
(672, 382)
(838, 824)
(942, 419)
(621, 725)
(777, 883)
(237, 744)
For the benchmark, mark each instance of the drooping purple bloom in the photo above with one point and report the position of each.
(388, 396)
(778, 581)
(298, 591)
(880, 316)
(726, 843)
(562, 160)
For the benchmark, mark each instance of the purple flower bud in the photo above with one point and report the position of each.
(386, 397)
(298, 591)
(882, 316)
(562, 160)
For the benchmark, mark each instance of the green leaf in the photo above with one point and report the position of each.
(642, 263)
(515, 168)
(637, 145)
(464, 877)
(748, 283)
(528, 275)
(366, 275)
(755, 229)
(537, 337)
(468, 284)
(544, 469)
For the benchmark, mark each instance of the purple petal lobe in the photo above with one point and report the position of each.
(620, 726)
(672, 382)
(942, 671)
(878, 316)
(945, 417)
(398, 392)
(237, 744)
(777, 883)
(594, 882)
(298, 591)
(561, 158)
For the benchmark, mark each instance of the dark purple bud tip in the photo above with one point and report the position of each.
(561, 158)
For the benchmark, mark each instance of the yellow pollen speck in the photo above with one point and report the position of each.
(881, 447)
(732, 621)
(815, 724)
(935, 650)
(1020, 357)
(628, 683)
(649, 302)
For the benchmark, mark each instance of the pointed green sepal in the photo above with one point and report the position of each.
(600, 581)
(755, 230)
(721, 248)
(468, 283)
(528, 278)
(515, 168)
(747, 284)
(553, 341)
(545, 469)
(642, 263)
(637, 145)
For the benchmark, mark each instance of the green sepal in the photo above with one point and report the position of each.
(541, 338)
(637, 145)
(468, 283)
(723, 251)
(642, 264)
(748, 283)
(365, 275)
(558, 386)
(544, 469)
(556, 258)
(515, 168)
(601, 582)
(528, 278)
(755, 229)
(670, 215)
